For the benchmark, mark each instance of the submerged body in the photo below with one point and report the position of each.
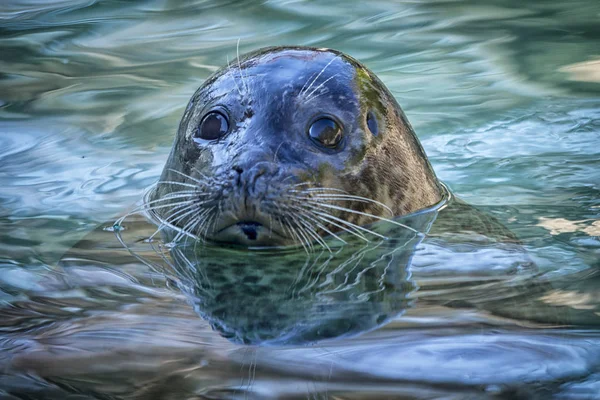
(290, 144)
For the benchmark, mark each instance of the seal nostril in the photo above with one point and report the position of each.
(237, 169)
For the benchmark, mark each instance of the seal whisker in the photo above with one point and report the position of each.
(172, 208)
(163, 225)
(313, 201)
(180, 230)
(304, 86)
(234, 80)
(149, 204)
(322, 213)
(167, 222)
(193, 222)
(203, 221)
(192, 202)
(311, 231)
(346, 198)
(306, 214)
(275, 155)
(206, 223)
(302, 232)
(180, 214)
(244, 82)
(184, 231)
(208, 179)
(191, 226)
(217, 215)
(144, 207)
(341, 193)
(293, 233)
(367, 215)
(188, 176)
(302, 184)
(188, 193)
(177, 183)
(309, 98)
(140, 209)
(346, 226)
(320, 189)
(330, 219)
(319, 74)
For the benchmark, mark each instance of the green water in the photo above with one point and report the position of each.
(505, 98)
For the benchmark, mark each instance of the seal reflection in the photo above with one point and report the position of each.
(283, 297)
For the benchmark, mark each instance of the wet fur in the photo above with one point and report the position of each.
(389, 168)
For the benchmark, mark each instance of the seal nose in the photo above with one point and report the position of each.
(247, 177)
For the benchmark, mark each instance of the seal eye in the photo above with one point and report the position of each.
(325, 132)
(213, 126)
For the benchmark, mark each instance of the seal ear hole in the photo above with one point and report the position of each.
(372, 123)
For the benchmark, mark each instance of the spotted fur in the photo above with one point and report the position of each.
(271, 96)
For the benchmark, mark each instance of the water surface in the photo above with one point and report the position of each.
(505, 98)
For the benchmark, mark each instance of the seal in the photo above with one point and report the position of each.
(287, 145)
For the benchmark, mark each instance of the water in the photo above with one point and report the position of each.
(504, 97)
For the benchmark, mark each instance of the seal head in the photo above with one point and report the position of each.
(290, 144)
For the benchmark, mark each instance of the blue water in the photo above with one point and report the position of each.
(505, 98)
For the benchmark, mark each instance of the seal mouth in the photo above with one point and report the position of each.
(249, 233)
(250, 229)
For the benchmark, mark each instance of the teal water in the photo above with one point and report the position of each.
(505, 98)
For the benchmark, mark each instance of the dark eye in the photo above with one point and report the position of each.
(325, 132)
(213, 126)
(372, 123)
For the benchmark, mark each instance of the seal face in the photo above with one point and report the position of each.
(290, 144)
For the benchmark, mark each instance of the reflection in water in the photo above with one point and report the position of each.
(291, 297)
(504, 98)
(292, 325)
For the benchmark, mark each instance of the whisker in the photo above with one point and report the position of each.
(309, 98)
(366, 215)
(310, 231)
(355, 197)
(302, 233)
(207, 221)
(287, 227)
(188, 176)
(181, 214)
(147, 205)
(319, 74)
(141, 209)
(303, 212)
(244, 81)
(234, 80)
(217, 215)
(348, 227)
(177, 183)
(324, 189)
(171, 218)
(199, 222)
(330, 219)
(185, 229)
(308, 80)
(342, 221)
(345, 198)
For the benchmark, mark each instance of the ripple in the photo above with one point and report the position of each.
(504, 97)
